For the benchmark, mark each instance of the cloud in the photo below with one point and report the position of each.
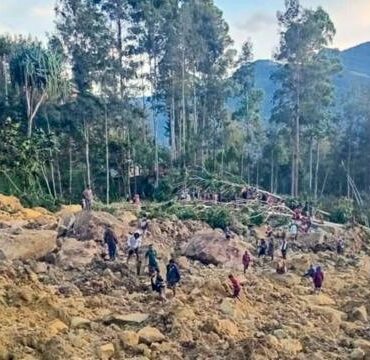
(257, 22)
(45, 11)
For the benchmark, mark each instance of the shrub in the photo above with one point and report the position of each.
(342, 211)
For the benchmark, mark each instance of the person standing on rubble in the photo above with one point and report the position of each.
(110, 239)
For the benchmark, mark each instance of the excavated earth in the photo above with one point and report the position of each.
(60, 299)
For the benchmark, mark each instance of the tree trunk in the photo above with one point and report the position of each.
(172, 126)
(5, 79)
(183, 106)
(106, 154)
(59, 178)
(52, 172)
(317, 169)
(87, 152)
(310, 167)
(272, 172)
(70, 171)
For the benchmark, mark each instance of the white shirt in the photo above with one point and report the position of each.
(134, 243)
(294, 229)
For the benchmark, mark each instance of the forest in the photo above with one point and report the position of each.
(89, 106)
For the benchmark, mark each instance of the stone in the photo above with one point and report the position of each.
(56, 327)
(80, 323)
(333, 316)
(360, 314)
(149, 335)
(364, 345)
(227, 307)
(291, 346)
(28, 244)
(210, 247)
(127, 319)
(129, 339)
(40, 268)
(357, 354)
(280, 334)
(227, 328)
(106, 351)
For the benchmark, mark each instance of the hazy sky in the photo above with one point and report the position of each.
(254, 19)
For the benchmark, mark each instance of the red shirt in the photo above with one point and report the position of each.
(246, 259)
(235, 283)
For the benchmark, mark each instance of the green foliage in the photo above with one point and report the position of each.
(217, 217)
(257, 218)
(45, 201)
(342, 211)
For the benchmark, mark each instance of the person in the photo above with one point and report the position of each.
(269, 231)
(137, 200)
(235, 286)
(310, 272)
(228, 233)
(297, 213)
(281, 267)
(151, 255)
(340, 246)
(110, 239)
(271, 248)
(284, 248)
(144, 225)
(173, 276)
(87, 198)
(294, 231)
(246, 260)
(318, 279)
(158, 285)
(262, 248)
(134, 243)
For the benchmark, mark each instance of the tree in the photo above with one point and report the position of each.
(303, 37)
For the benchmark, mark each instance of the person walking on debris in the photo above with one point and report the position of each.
(144, 225)
(318, 279)
(246, 260)
(340, 246)
(87, 198)
(173, 276)
(134, 243)
(228, 233)
(236, 287)
(110, 239)
(284, 248)
(158, 285)
(262, 248)
(310, 272)
(294, 231)
(281, 267)
(151, 255)
(271, 248)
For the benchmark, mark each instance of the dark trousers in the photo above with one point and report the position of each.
(112, 250)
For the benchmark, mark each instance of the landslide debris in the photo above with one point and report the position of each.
(67, 302)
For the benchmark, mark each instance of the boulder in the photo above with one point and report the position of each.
(89, 225)
(128, 319)
(129, 339)
(106, 351)
(291, 346)
(357, 354)
(150, 335)
(56, 327)
(211, 247)
(77, 253)
(80, 323)
(27, 244)
(360, 314)
(364, 345)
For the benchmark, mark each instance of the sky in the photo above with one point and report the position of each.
(248, 19)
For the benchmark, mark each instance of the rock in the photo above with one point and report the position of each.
(280, 334)
(227, 328)
(106, 351)
(40, 268)
(357, 354)
(333, 316)
(210, 247)
(149, 335)
(183, 262)
(227, 307)
(80, 323)
(56, 327)
(127, 319)
(364, 345)
(291, 346)
(360, 314)
(28, 244)
(129, 339)
(90, 225)
(74, 253)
